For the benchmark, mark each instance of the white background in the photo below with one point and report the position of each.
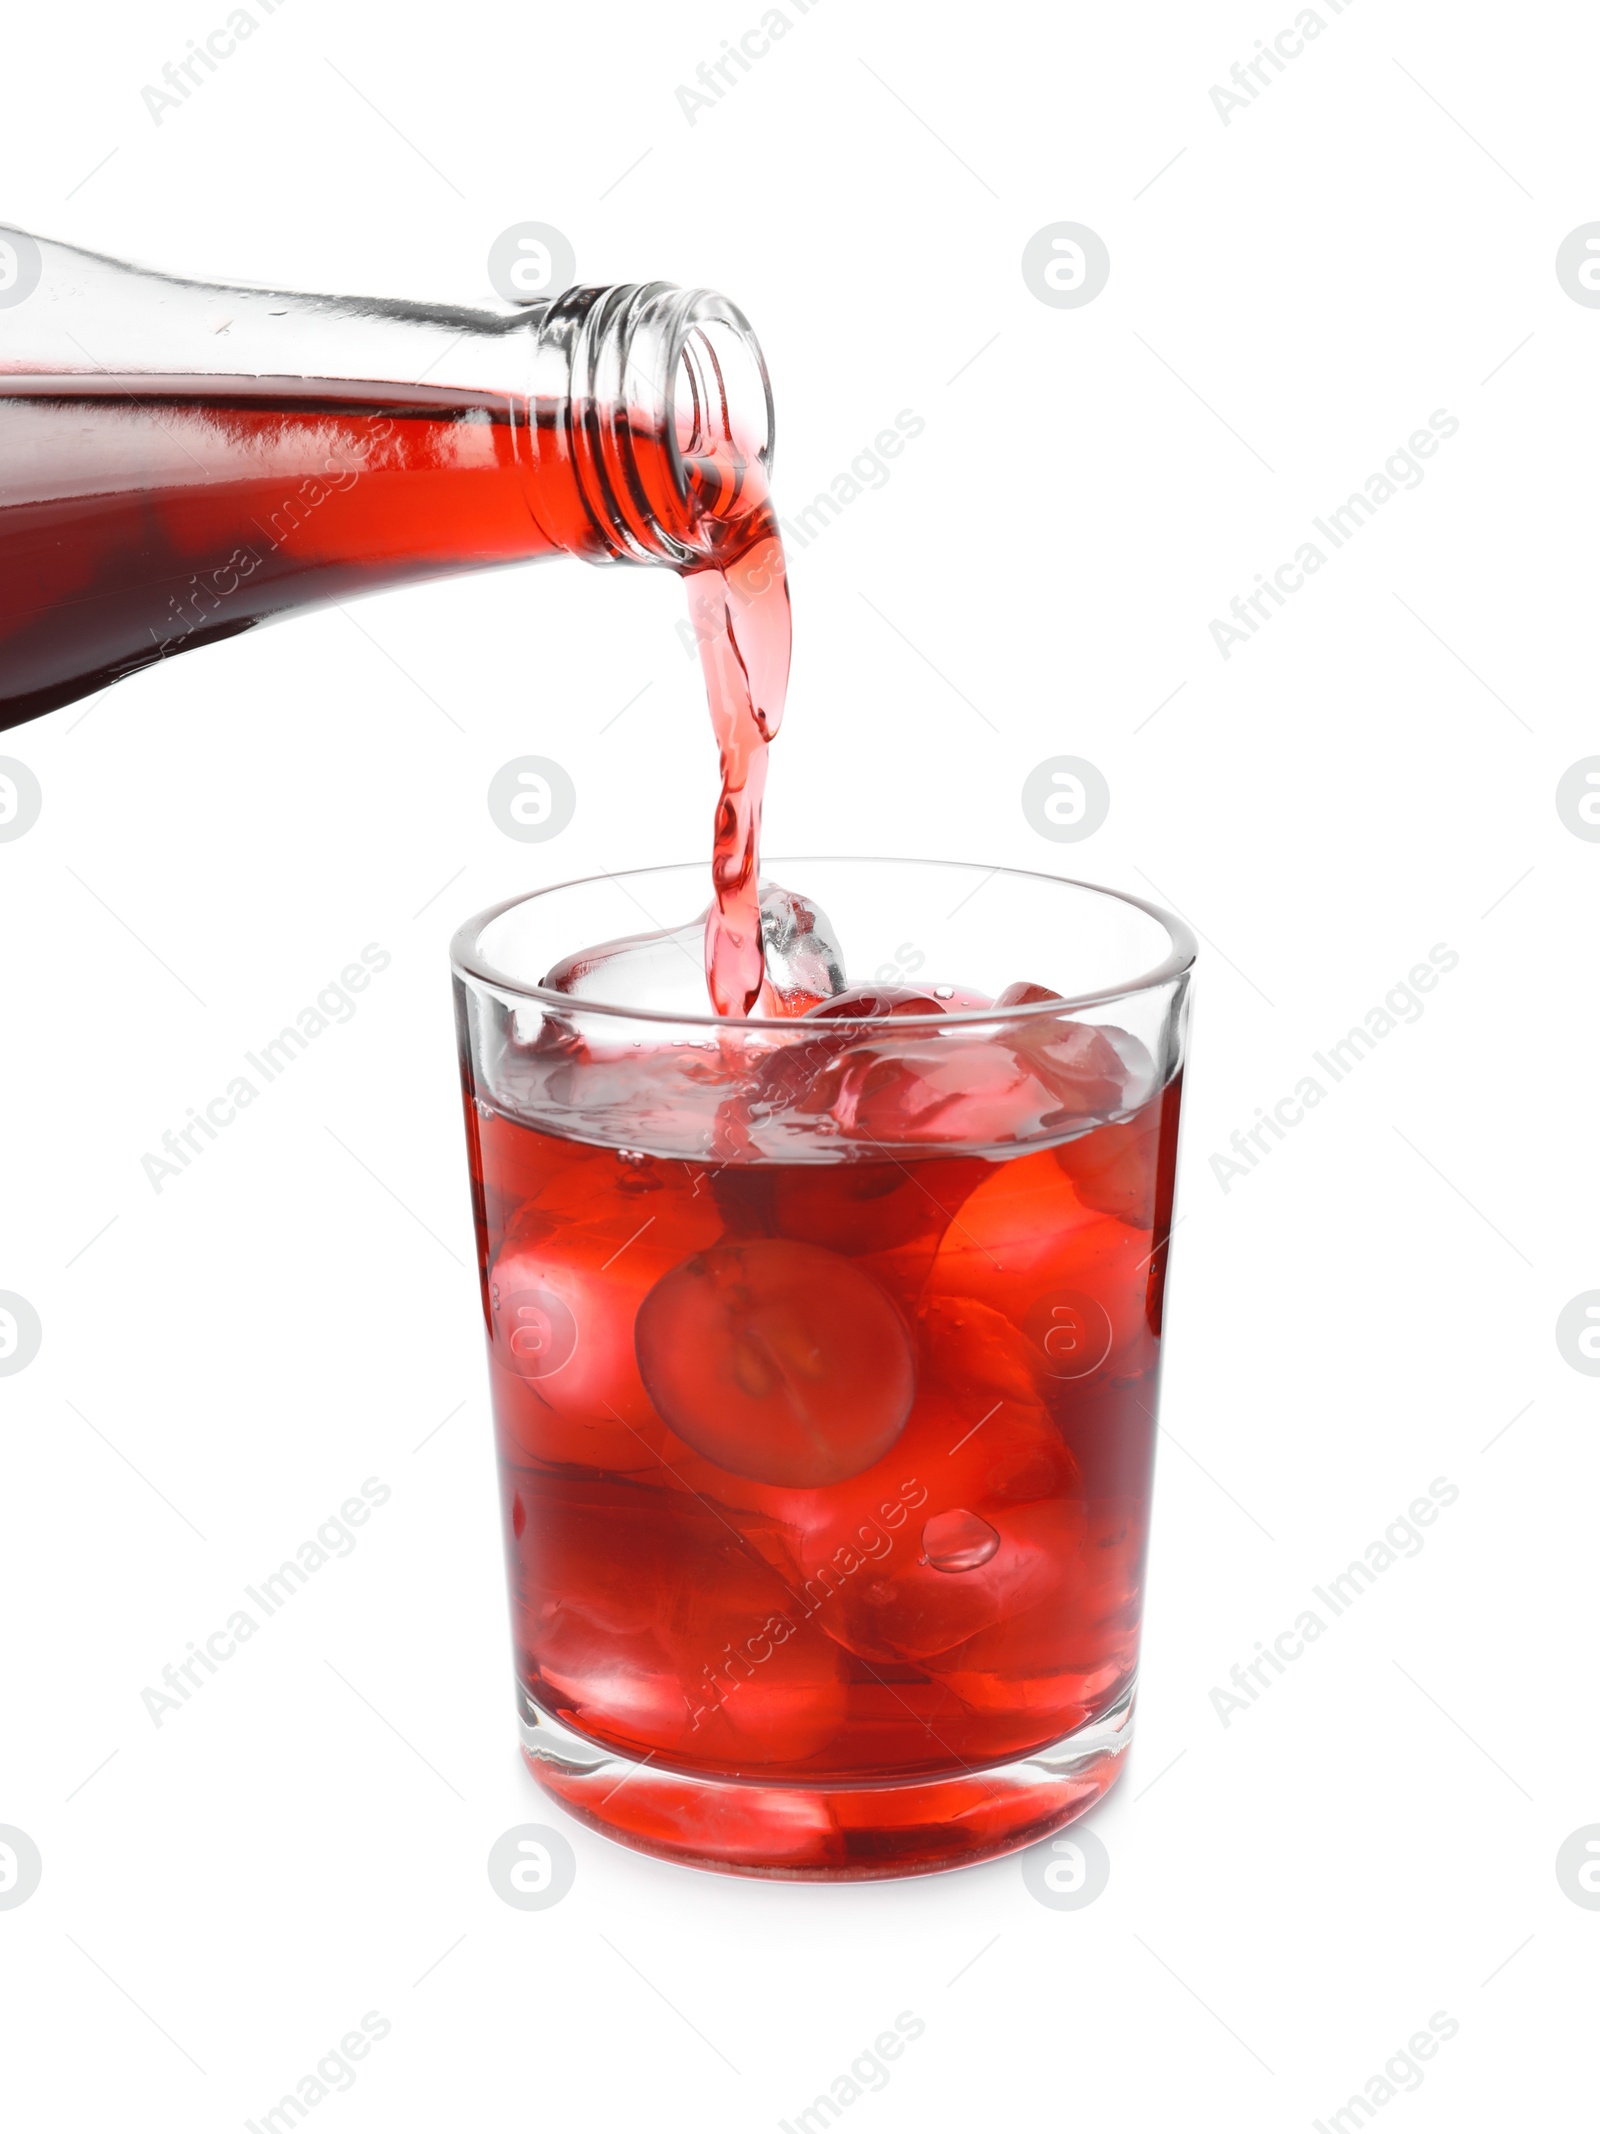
(1292, 1895)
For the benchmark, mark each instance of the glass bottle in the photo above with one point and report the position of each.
(182, 460)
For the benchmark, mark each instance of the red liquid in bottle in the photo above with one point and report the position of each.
(140, 517)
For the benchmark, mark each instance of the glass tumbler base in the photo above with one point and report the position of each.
(795, 1832)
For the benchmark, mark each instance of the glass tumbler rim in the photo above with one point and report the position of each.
(468, 964)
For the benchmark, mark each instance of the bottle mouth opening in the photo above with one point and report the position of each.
(669, 417)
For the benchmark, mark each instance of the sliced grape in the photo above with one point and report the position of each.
(778, 1361)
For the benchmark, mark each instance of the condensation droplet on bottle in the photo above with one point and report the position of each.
(958, 1541)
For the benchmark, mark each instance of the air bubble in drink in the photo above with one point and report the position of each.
(958, 1541)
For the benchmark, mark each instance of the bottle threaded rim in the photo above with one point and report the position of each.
(630, 381)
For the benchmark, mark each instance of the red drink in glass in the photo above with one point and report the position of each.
(823, 1357)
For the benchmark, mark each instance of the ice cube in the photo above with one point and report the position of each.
(1071, 1652)
(862, 1002)
(664, 970)
(787, 1077)
(650, 1626)
(1071, 1280)
(1080, 1063)
(804, 962)
(569, 1277)
(978, 1352)
(997, 1516)
(931, 1088)
(1113, 1169)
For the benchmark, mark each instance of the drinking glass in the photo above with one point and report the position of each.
(823, 1352)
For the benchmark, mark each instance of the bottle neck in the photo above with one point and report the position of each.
(651, 408)
(644, 411)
